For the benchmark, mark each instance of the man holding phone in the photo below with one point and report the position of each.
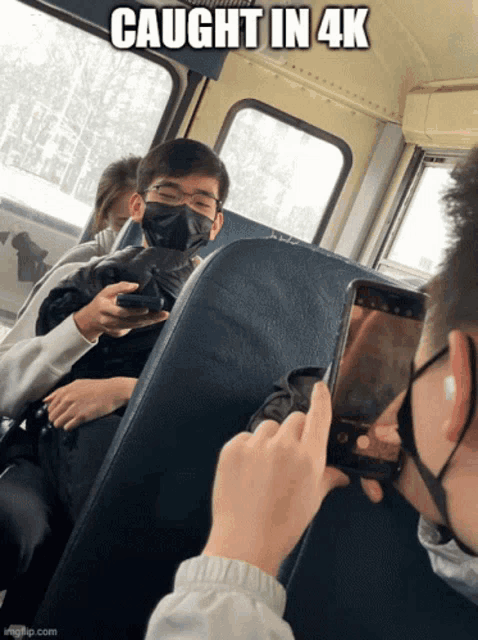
(85, 367)
(270, 484)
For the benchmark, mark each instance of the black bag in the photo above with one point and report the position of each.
(292, 393)
(158, 271)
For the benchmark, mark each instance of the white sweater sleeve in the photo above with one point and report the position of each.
(217, 598)
(449, 562)
(31, 365)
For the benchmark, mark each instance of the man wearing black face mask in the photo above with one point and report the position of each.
(87, 358)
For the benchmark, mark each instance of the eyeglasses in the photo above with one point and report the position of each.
(202, 203)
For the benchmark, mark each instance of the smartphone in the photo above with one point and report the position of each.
(378, 337)
(137, 301)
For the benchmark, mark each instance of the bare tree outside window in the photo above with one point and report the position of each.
(71, 105)
(280, 176)
(422, 237)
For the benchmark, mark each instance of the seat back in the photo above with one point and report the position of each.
(130, 235)
(252, 311)
(237, 227)
(361, 573)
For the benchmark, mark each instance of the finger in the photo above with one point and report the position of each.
(133, 318)
(120, 324)
(235, 445)
(54, 413)
(334, 478)
(122, 312)
(162, 315)
(156, 316)
(62, 415)
(266, 429)
(120, 287)
(241, 437)
(293, 426)
(388, 434)
(57, 422)
(372, 489)
(319, 418)
(56, 408)
(51, 403)
(72, 423)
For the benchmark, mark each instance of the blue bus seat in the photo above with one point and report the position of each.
(129, 236)
(252, 311)
(237, 227)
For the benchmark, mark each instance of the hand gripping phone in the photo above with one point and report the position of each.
(137, 301)
(377, 340)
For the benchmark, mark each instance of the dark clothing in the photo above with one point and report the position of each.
(71, 460)
(41, 497)
(33, 533)
(39, 505)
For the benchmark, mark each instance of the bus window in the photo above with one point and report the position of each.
(71, 105)
(415, 245)
(283, 173)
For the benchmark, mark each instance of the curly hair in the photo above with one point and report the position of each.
(454, 291)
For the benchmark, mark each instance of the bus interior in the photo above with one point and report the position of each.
(339, 131)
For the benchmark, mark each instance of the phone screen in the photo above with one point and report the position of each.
(378, 340)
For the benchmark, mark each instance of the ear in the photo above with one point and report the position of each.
(136, 207)
(216, 225)
(460, 366)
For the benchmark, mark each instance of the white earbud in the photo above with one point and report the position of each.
(450, 387)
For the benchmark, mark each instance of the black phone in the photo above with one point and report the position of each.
(137, 301)
(378, 337)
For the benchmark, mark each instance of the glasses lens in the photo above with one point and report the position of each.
(168, 195)
(200, 202)
(203, 204)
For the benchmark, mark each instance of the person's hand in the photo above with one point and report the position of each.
(103, 315)
(84, 400)
(386, 430)
(270, 484)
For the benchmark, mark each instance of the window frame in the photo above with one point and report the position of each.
(421, 159)
(97, 31)
(301, 125)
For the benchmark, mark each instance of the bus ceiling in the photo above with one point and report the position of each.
(406, 53)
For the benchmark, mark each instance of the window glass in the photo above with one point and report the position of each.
(422, 235)
(70, 105)
(281, 176)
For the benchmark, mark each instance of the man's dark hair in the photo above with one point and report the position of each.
(454, 292)
(179, 158)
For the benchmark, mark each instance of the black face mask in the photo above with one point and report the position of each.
(175, 227)
(405, 430)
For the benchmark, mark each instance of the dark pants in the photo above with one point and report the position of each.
(39, 503)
